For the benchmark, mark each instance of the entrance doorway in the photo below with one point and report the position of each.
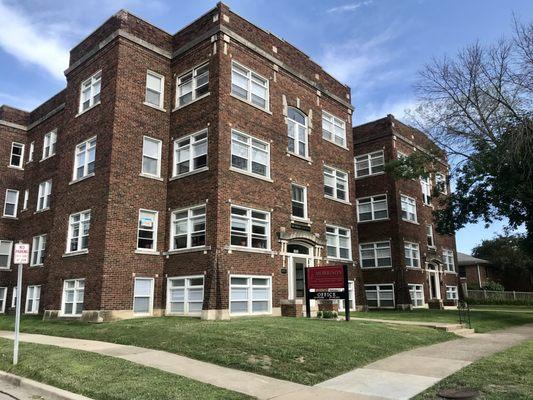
(299, 259)
(434, 282)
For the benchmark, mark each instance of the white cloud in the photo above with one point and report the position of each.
(349, 7)
(398, 107)
(31, 42)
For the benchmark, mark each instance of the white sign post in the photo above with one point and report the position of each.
(22, 256)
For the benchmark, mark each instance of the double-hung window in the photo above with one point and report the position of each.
(90, 91)
(299, 201)
(249, 86)
(339, 245)
(447, 258)
(430, 236)
(78, 231)
(11, 203)
(249, 154)
(3, 299)
(412, 255)
(73, 294)
(187, 228)
(335, 184)
(151, 160)
(369, 164)
(185, 295)
(250, 228)
(333, 129)
(84, 159)
(250, 294)
(14, 297)
(49, 144)
(372, 208)
(374, 255)
(37, 250)
(440, 182)
(17, 155)
(30, 151)
(44, 195)
(425, 184)
(408, 208)
(6, 247)
(298, 130)
(190, 153)
(193, 85)
(452, 293)
(155, 89)
(416, 293)
(143, 296)
(33, 297)
(380, 295)
(147, 230)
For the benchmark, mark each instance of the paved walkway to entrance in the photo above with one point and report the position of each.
(397, 377)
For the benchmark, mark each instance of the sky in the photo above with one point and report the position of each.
(376, 47)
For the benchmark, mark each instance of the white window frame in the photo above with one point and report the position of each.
(335, 122)
(161, 92)
(83, 220)
(38, 248)
(367, 160)
(158, 159)
(416, 292)
(303, 203)
(89, 145)
(296, 133)
(190, 218)
(9, 254)
(406, 202)
(3, 299)
(16, 204)
(26, 199)
(186, 288)
(21, 155)
(35, 299)
(250, 288)
(376, 246)
(44, 194)
(452, 293)
(337, 236)
(14, 297)
(379, 291)
(194, 143)
(425, 185)
(153, 229)
(194, 85)
(150, 296)
(249, 143)
(76, 289)
(49, 144)
(372, 203)
(90, 84)
(249, 76)
(30, 152)
(430, 234)
(411, 253)
(441, 183)
(249, 220)
(337, 176)
(448, 259)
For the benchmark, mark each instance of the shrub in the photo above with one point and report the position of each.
(494, 286)
(500, 302)
(329, 314)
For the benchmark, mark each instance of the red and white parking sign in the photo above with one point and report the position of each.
(22, 253)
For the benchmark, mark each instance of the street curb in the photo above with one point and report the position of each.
(40, 389)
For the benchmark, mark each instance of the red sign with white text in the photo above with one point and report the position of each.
(325, 277)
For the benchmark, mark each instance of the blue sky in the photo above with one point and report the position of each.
(375, 46)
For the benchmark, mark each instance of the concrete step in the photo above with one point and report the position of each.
(463, 332)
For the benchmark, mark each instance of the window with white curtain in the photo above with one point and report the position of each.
(335, 184)
(44, 195)
(185, 295)
(425, 184)
(37, 250)
(49, 144)
(452, 293)
(90, 92)
(73, 296)
(190, 153)
(84, 159)
(333, 129)
(6, 247)
(250, 228)
(151, 161)
(417, 295)
(17, 155)
(155, 86)
(143, 296)
(412, 254)
(447, 258)
(11, 203)
(249, 86)
(381, 296)
(78, 231)
(249, 154)
(339, 245)
(3, 299)
(33, 298)
(299, 201)
(250, 294)
(408, 208)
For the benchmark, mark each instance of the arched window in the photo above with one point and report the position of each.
(297, 131)
(297, 249)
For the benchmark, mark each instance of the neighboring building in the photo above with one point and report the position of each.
(190, 174)
(473, 271)
(405, 261)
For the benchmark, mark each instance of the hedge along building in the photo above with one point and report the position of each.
(191, 174)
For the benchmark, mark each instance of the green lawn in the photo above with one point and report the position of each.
(482, 321)
(507, 375)
(104, 378)
(502, 307)
(295, 349)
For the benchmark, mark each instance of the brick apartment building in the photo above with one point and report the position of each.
(405, 262)
(189, 174)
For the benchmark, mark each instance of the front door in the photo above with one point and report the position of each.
(434, 283)
(299, 279)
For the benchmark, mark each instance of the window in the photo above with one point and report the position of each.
(440, 182)
(147, 230)
(5, 253)
(185, 295)
(188, 228)
(26, 197)
(351, 297)
(37, 250)
(190, 153)
(90, 92)
(249, 154)
(447, 258)
(412, 255)
(335, 184)
(425, 183)
(250, 295)
(375, 255)
(430, 237)
(250, 228)
(17, 155)
(333, 129)
(299, 201)
(143, 296)
(33, 297)
(3, 299)
(339, 245)
(84, 159)
(452, 293)
(380, 295)
(11, 203)
(49, 144)
(297, 130)
(78, 232)
(417, 295)
(73, 293)
(30, 152)
(372, 208)
(369, 164)
(151, 162)
(45, 194)
(408, 208)
(155, 86)
(193, 85)
(14, 298)
(249, 86)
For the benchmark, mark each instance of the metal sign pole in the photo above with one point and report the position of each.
(17, 316)
(307, 295)
(346, 293)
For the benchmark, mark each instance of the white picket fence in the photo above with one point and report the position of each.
(495, 295)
